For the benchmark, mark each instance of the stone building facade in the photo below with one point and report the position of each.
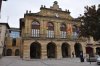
(3, 35)
(46, 35)
(13, 42)
(50, 33)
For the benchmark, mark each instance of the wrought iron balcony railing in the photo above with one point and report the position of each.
(56, 37)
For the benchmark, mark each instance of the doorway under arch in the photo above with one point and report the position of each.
(89, 50)
(17, 52)
(65, 50)
(98, 51)
(51, 50)
(9, 52)
(35, 50)
(78, 49)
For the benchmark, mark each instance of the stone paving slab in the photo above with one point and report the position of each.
(16, 61)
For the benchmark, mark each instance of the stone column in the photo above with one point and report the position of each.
(94, 50)
(26, 50)
(13, 51)
(29, 28)
(72, 50)
(58, 51)
(69, 51)
(44, 29)
(26, 27)
(43, 52)
(1, 51)
(84, 48)
(57, 29)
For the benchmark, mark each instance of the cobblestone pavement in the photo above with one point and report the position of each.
(16, 61)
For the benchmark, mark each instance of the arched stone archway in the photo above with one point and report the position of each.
(9, 52)
(78, 49)
(51, 50)
(65, 50)
(89, 50)
(35, 50)
(17, 52)
(98, 50)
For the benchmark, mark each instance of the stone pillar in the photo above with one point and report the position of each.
(41, 28)
(84, 48)
(94, 50)
(13, 51)
(43, 52)
(58, 51)
(44, 29)
(1, 51)
(72, 50)
(69, 51)
(26, 51)
(28, 30)
(57, 29)
(26, 27)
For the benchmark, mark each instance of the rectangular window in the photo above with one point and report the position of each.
(63, 34)
(35, 33)
(14, 42)
(14, 34)
(50, 34)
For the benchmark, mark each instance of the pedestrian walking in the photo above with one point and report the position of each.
(81, 57)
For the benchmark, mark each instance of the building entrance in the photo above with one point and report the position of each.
(9, 52)
(78, 49)
(98, 51)
(51, 50)
(65, 50)
(35, 50)
(89, 50)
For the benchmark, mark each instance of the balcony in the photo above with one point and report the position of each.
(57, 38)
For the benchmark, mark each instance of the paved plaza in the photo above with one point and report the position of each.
(16, 61)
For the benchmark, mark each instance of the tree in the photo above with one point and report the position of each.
(91, 22)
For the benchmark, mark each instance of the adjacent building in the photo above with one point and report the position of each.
(3, 35)
(13, 42)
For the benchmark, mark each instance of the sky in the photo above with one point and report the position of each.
(13, 10)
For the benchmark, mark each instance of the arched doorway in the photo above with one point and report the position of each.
(65, 50)
(78, 49)
(51, 50)
(89, 50)
(98, 51)
(17, 52)
(9, 52)
(35, 50)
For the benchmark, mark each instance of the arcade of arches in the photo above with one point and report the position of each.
(53, 33)
(11, 52)
(38, 50)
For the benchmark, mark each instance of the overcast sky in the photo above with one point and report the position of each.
(13, 10)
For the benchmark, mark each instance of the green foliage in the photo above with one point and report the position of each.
(91, 20)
